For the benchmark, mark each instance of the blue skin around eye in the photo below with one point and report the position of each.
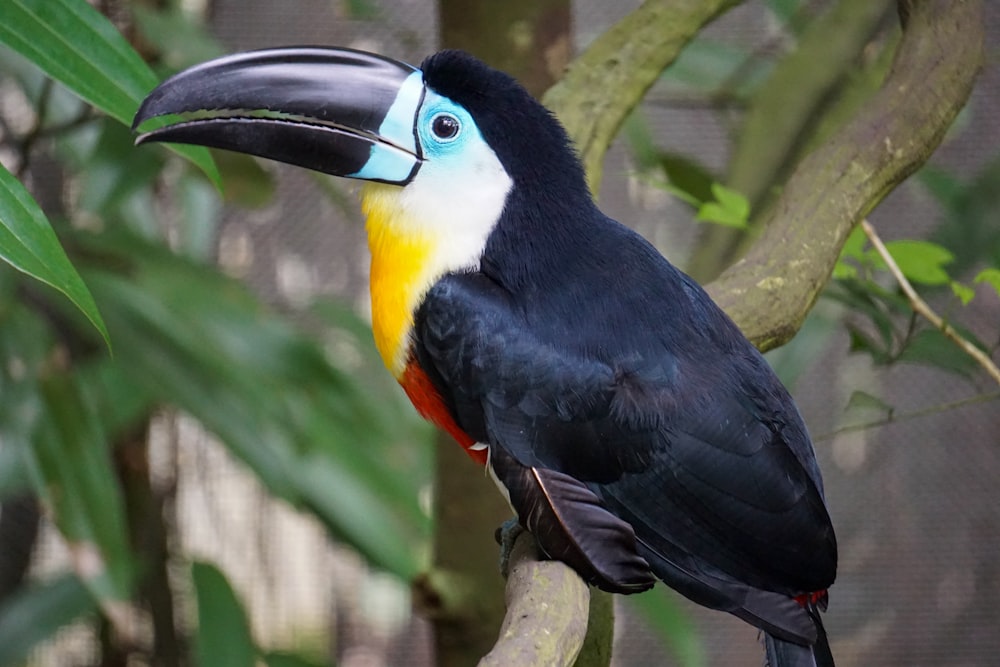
(433, 146)
(389, 163)
(392, 164)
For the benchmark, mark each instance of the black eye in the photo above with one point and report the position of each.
(445, 126)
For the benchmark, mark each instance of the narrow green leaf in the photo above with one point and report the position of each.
(989, 276)
(963, 292)
(223, 638)
(37, 613)
(25, 345)
(318, 437)
(74, 44)
(28, 243)
(77, 46)
(74, 475)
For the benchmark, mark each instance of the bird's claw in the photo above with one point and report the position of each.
(506, 535)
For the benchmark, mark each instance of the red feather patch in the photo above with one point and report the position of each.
(425, 398)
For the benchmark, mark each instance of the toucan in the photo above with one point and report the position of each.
(634, 430)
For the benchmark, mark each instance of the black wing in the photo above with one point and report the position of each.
(696, 447)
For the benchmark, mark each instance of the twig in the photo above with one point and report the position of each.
(921, 307)
(894, 418)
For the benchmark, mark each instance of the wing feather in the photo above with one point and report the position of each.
(571, 525)
(684, 453)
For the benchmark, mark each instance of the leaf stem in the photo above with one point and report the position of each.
(920, 306)
(893, 418)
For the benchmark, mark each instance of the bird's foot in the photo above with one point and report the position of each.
(506, 535)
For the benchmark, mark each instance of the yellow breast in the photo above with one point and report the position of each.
(402, 270)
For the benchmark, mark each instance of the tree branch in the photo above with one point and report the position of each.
(920, 306)
(608, 80)
(547, 608)
(769, 292)
(785, 111)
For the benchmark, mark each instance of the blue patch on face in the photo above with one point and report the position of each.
(395, 163)
(444, 127)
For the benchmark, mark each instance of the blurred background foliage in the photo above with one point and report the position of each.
(163, 332)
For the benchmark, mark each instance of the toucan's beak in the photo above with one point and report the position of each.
(339, 111)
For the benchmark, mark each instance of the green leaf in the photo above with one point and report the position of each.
(662, 610)
(930, 347)
(968, 226)
(687, 175)
(73, 473)
(854, 245)
(990, 277)
(869, 299)
(25, 346)
(115, 170)
(862, 400)
(248, 184)
(28, 243)
(963, 292)
(37, 612)
(943, 185)
(198, 226)
(77, 46)
(863, 342)
(921, 262)
(730, 208)
(853, 248)
(223, 638)
(843, 271)
(74, 44)
(315, 436)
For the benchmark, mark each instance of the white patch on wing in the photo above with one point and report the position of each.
(492, 475)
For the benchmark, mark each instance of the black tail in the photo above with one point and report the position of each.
(786, 654)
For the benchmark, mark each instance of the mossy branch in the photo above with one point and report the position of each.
(607, 81)
(784, 112)
(769, 292)
(547, 608)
